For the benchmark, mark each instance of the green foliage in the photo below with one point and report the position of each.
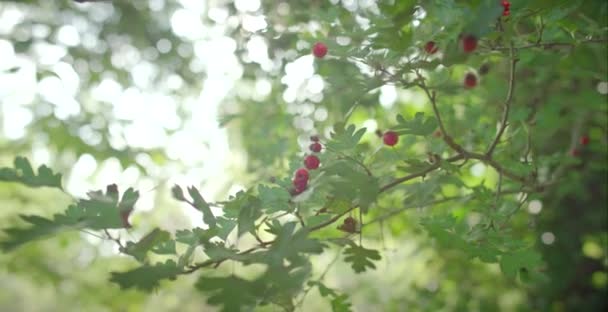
(360, 257)
(459, 199)
(23, 173)
(523, 260)
(157, 241)
(339, 302)
(146, 277)
(198, 202)
(232, 293)
(100, 211)
(345, 138)
(418, 126)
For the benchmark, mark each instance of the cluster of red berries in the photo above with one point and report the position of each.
(583, 140)
(311, 162)
(468, 44)
(507, 6)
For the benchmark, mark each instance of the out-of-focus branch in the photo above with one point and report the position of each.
(507, 103)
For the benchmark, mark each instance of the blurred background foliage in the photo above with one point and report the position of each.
(221, 94)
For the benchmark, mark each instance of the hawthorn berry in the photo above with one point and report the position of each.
(469, 43)
(470, 81)
(430, 47)
(301, 174)
(390, 138)
(584, 140)
(349, 225)
(575, 152)
(506, 7)
(316, 147)
(311, 162)
(300, 184)
(319, 50)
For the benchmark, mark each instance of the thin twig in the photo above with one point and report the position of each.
(507, 103)
(355, 160)
(547, 45)
(116, 240)
(432, 95)
(321, 277)
(421, 173)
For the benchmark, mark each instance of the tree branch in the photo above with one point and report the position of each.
(507, 103)
(548, 45)
(444, 133)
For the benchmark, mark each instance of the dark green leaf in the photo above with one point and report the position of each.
(200, 204)
(273, 198)
(155, 238)
(23, 173)
(418, 126)
(345, 138)
(233, 293)
(146, 277)
(512, 263)
(361, 258)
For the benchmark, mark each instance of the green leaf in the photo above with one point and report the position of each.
(512, 263)
(249, 212)
(24, 174)
(100, 211)
(217, 251)
(195, 236)
(361, 258)
(146, 277)
(289, 244)
(414, 165)
(156, 238)
(233, 293)
(103, 211)
(200, 204)
(345, 138)
(273, 198)
(40, 227)
(339, 302)
(316, 220)
(418, 126)
(350, 183)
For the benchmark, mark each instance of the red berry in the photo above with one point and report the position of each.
(319, 50)
(469, 43)
(430, 47)
(301, 174)
(470, 80)
(390, 138)
(584, 140)
(312, 162)
(314, 138)
(575, 152)
(315, 147)
(300, 184)
(349, 225)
